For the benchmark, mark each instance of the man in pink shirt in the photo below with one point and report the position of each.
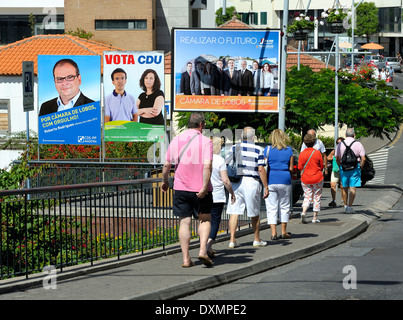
(193, 155)
(352, 178)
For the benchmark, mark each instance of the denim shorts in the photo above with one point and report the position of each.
(351, 178)
(187, 204)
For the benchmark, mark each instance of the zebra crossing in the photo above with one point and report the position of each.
(380, 160)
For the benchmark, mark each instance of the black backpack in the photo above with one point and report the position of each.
(367, 171)
(349, 160)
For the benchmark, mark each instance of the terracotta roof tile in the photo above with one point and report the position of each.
(167, 63)
(305, 59)
(235, 23)
(12, 55)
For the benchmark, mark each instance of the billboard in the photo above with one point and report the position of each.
(226, 70)
(69, 99)
(134, 96)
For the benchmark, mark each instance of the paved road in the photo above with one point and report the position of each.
(375, 257)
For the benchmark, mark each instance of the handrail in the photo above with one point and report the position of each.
(77, 186)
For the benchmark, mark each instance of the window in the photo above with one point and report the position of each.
(4, 116)
(121, 24)
(263, 18)
(249, 17)
(16, 27)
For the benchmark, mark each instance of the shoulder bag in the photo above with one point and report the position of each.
(232, 167)
(302, 172)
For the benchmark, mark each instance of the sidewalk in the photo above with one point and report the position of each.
(159, 275)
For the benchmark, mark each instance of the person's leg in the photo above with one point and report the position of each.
(184, 238)
(256, 227)
(253, 199)
(271, 209)
(307, 200)
(233, 223)
(333, 190)
(344, 195)
(317, 195)
(284, 207)
(351, 196)
(215, 223)
(204, 231)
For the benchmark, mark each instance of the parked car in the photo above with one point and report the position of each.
(297, 191)
(357, 62)
(389, 61)
(372, 59)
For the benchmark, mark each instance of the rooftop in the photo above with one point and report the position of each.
(12, 55)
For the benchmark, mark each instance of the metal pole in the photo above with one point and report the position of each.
(352, 35)
(336, 88)
(281, 111)
(224, 7)
(336, 98)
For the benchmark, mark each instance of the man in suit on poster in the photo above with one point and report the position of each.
(67, 79)
(216, 78)
(185, 80)
(231, 80)
(246, 80)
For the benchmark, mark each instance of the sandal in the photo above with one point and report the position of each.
(274, 237)
(286, 235)
(206, 261)
(191, 264)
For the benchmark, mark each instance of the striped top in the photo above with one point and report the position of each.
(252, 158)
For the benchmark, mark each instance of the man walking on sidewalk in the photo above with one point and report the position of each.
(193, 155)
(248, 189)
(350, 174)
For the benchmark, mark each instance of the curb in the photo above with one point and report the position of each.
(364, 218)
(179, 291)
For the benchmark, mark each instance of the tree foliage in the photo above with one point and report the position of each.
(367, 22)
(310, 103)
(229, 13)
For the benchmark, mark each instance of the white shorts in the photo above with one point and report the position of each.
(248, 196)
(335, 177)
(278, 203)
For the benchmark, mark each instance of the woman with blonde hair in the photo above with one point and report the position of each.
(219, 180)
(280, 160)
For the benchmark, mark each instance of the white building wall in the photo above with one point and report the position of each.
(11, 89)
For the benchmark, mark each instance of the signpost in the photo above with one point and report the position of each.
(28, 85)
(28, 95)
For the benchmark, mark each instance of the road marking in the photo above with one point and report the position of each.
(380, 160)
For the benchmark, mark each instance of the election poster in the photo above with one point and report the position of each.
(226, 70)
(134, 96)
(69, 99)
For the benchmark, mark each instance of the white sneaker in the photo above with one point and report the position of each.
(315, 220)
(349, 210)
(233, 245)
(303, 218)
(260, 243)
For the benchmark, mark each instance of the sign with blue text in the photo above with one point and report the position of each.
(69, 99)
(134, 95)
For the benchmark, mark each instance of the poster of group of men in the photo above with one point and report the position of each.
(226, 70)
(212, 70)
